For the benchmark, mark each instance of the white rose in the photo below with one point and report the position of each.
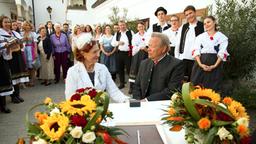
(88, 137)
(224, 134)
(243, 121)
(174, 96)
(54, 111)
(76, 132)
(40, 141)
(222, 105)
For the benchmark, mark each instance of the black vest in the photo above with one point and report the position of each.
(128, 34)
(198, 30)
(158, 28)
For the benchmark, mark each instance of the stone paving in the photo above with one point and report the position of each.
(12, 126)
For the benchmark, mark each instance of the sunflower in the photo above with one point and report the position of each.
(207, 94)
(237, 110)
(55, 126)
(80, 107)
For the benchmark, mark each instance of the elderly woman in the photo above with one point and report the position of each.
(45, 52)
(210, 51)
(88, 73)
(61, 50)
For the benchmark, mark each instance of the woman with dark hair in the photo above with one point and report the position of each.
(139, 53)
(45, 52)
(88, 29)
(107, 56)
(210, 51)
(15, 26)
(88, 73)
(16, 64)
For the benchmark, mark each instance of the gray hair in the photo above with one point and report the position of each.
(57, 25)
(164, 40)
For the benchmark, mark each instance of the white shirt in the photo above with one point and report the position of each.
(215, 45)
(124, 39)
(172, 35)
(189, 43)
(138, 42)
(77, 77)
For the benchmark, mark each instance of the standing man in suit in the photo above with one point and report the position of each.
(123, 40)
(160, 75)
(186, 39)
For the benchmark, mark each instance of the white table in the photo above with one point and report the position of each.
(150, 113)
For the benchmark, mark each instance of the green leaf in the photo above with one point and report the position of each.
(70, 140)
(211, 134)
(189, 104)
(99, 140)
(33, 130)
(92, 122)
(221, 123)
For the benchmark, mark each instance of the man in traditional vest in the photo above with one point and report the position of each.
(186, 39)
(123, 40)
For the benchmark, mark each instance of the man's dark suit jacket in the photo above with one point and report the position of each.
(169, 79)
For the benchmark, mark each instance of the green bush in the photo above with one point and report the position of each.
(237, 20)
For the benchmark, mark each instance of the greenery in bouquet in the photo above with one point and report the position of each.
(207, 118)
(75, 121)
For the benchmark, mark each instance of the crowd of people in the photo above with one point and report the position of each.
(157, 60)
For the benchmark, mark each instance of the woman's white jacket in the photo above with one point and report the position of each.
(77, 77)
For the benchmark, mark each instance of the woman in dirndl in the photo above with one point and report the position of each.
(6, 88)
(107, 56)
(16, 64)
(30, 50)
(210, 51)
(139, 53)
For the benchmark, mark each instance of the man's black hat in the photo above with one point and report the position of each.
(160, 9)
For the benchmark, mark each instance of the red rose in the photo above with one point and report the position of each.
(107, 138)
(224, 117)
(92, 93)
(245, 140)
(78, 120)
(143, 39)
(211, 38)
(75, 97)
(87, 88)
(81, 90)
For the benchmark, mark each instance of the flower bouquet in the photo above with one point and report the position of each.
(75, 121)
(206, 118)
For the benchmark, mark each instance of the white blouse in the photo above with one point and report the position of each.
(211, 45)
(138, 42)
(77, 77)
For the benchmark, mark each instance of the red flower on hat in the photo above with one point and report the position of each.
(75, 97)
(78, 120)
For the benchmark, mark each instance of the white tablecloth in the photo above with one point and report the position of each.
(149, 113)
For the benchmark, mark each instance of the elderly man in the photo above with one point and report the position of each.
(161, 74)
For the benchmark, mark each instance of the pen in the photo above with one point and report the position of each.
(138, 136)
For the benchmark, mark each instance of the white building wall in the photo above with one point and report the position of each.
(58, 11)
(6, 7)
(136, 9)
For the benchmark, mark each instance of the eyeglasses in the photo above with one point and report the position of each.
(174, 20)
